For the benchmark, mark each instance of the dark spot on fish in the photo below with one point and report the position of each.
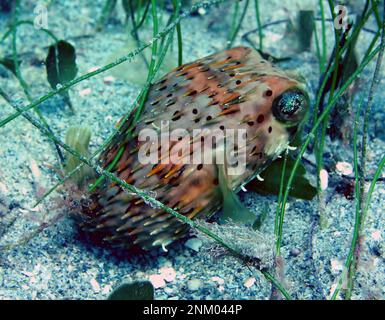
(270, 129)
(209, 118)
(222, 128)
(212, 94)
(250, 123)
(176, 116)
(268, 93)
(170, 102)
(197, 120)
(195, 111)
(169, 95)
(191, 93)
(162, 88)
(196, 182)
(238, 82)
(200, 166)
(260, 118)
(232, 74)
(155, 103)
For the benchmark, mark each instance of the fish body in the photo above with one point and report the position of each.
(231, 91)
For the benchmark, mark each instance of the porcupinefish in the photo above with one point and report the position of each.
(232, 91)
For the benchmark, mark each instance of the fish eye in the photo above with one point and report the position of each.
(291, 106)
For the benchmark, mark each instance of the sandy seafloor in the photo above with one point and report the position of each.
(56, 264)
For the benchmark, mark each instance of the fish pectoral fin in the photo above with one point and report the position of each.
(233, 209)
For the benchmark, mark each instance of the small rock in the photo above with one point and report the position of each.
(92, 69)
(182, 276)
(168, 274)
(194, 284)
(3, 188)
(95, 285)
(85, 92)
(108, 79)
(336, 265)
(218, 280)
(202, 11)
(295, 252)
(324, 179)
(332, 289)
(344, 168)
(157, 281)
(249, 282)
(194, 244)
(35, 169)
(376, 235)
(106, 289)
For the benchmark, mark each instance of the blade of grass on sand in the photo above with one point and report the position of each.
(259, 24)
(362, 194)
(237, 27)
(19, 75)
